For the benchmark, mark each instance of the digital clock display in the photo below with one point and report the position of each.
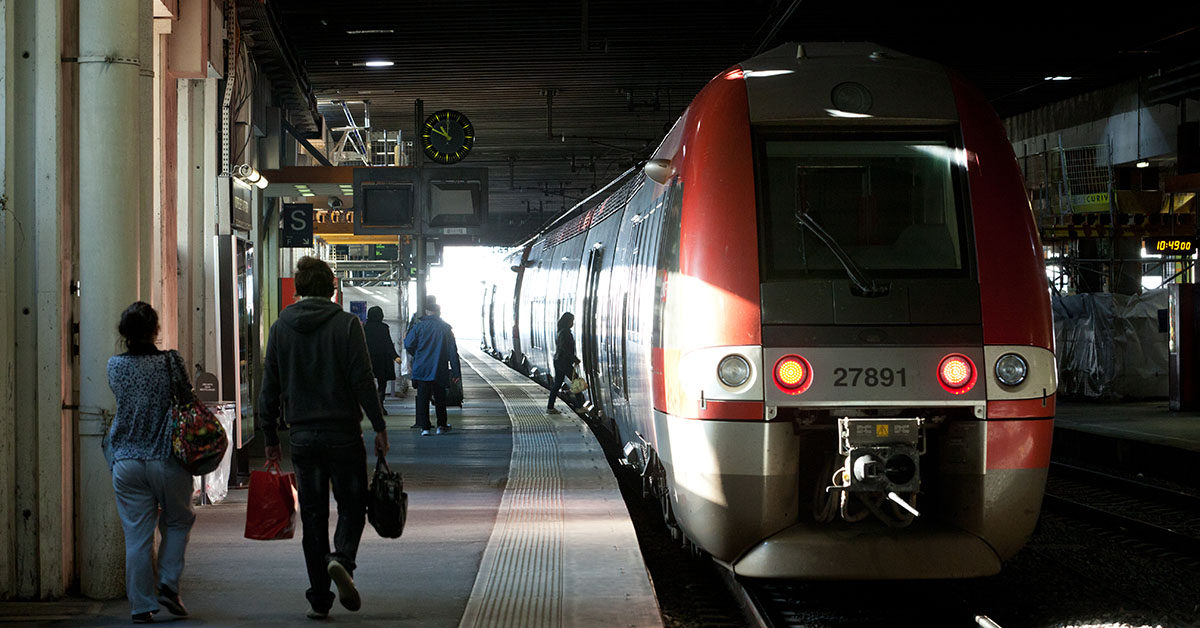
(1170, 246)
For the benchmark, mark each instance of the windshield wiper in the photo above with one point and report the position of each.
(864, 286)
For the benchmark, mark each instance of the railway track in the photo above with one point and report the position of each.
(1166, 516)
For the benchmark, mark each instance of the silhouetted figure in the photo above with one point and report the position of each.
(434, 365)
(383, 351)
(564, 358)
(317, 361)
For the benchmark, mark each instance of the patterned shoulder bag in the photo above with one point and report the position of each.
(198, 441)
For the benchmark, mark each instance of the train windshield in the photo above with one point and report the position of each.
(890, 204)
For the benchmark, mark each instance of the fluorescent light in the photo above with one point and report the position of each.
(379, 64)
(371, 31)
(1058, 78)
(1143, 164)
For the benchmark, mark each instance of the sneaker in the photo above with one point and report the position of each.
(170, 599)
(313, 613)
(553, 411)
(443, 429)
(347, 593)
(143, 618)
(424, 432)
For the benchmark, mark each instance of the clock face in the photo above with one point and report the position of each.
(447, 136)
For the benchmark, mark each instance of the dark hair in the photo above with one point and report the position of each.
(566, 320)
(432, 308)
(375, 314)
(139, 327)
(313, 278)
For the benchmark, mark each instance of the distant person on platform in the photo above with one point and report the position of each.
(382, 350)
(317, 361)
(434, 365)
(564, 358)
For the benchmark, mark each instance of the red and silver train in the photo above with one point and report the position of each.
(817, 319)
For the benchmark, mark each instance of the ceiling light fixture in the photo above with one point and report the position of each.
(248, 175)
(379, 64)
(1143, 164)
(371, 31)
(1058, 78)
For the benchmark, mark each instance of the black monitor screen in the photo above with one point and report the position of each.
(387, 206)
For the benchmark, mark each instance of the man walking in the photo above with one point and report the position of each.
(434, 365)
(317, 364)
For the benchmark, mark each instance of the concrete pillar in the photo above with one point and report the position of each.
(109, 177)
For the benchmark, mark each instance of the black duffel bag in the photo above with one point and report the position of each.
(387, 506)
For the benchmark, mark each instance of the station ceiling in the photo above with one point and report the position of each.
(565, 96)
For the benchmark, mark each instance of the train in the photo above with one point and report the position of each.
(816, 320)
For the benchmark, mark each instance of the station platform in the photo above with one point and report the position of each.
(1136, 437)
(515, 519)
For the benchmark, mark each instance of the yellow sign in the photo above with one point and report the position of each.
(881, 430)
(1097, 202)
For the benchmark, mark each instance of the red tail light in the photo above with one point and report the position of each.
(793, 374)
(956, 373)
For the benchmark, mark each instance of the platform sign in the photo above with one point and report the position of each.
(297, 228)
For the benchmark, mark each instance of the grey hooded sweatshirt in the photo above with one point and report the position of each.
(317, 365)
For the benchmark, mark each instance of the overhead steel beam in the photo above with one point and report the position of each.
(312, 150)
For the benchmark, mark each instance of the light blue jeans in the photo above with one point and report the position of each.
(143, 487)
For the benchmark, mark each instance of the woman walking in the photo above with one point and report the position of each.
(382, 350)
(146, 476)
(564, 358)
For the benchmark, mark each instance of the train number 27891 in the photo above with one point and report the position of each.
(872, 377)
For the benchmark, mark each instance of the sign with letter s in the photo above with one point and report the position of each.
(297, 229)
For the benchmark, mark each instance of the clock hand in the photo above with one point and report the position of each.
(441, 131)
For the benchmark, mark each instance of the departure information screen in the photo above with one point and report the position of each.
(1170, 246)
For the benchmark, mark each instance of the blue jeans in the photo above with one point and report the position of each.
(142, 487)
(321, 458)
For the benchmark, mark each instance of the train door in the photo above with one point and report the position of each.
(590, 345)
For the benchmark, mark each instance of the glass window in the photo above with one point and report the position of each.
(891, 204)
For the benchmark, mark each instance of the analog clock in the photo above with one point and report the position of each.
(447, 136)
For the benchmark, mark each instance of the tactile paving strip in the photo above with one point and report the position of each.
(520, 575)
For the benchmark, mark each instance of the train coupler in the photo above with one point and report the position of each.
(881, 460)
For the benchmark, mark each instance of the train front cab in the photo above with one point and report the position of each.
(946, 280)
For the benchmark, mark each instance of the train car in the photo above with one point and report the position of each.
(817, 319)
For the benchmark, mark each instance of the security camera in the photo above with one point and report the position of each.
(335, 203)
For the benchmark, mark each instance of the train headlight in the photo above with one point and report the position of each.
(793, 374)
(1011, 369)
(733, 370)
(956, 373)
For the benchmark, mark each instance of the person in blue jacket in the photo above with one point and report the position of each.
(434, 365)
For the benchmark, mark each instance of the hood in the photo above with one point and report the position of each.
(308, 315)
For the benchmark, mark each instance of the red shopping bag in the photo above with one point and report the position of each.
(271, 505)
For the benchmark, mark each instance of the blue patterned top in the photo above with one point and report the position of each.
(141, 428)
